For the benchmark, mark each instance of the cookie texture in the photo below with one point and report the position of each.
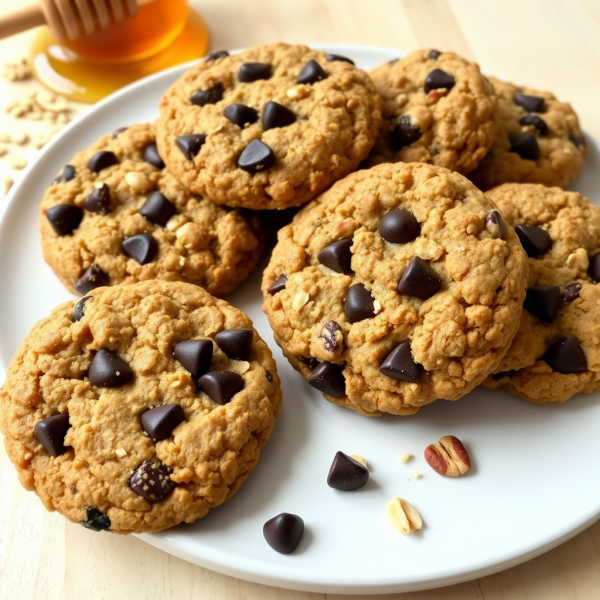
(437, 108)
(563, 298)
(275, 125)
(388, 326)
(539, 140)
(111, 430)
(133, 221)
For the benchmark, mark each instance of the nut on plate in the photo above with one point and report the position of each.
(448, 457)
(404, 516)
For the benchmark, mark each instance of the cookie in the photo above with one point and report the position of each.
(270, 127)
(140, 407)
(437, 108)
(538, 140)
(556, 351)
(398, 286)
(116, 215)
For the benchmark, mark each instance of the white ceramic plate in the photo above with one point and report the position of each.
(534, 484)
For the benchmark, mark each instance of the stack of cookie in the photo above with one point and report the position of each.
(147, 402)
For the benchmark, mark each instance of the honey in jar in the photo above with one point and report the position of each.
(164, 33)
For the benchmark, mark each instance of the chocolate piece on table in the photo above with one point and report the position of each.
(347, 474)
(284, 532)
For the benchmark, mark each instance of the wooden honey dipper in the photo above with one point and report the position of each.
(68, 19)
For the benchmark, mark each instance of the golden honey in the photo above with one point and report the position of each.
(164, 33)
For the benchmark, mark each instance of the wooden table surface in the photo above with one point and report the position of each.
(551, 44)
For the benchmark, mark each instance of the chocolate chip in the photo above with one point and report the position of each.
(102, 160)
(328, 378)
(190, 144)
(99, 200)
(240, 114)
(339, 57)
(359, 304)
(152, 157)
(221, 386)
(536, 122)
(438, 79)
(494, 224)
(405, 133)
(159, 422)
(216, 55)
(311, 362)
(347, 474)
(210, 96)
(284, 532)
(399, 364)
(194, 356)
(158, 209)
(433, 54)
(594, 267)
(311, 73)
(152, 481)
(576, 140)
(142, 248)
(236, 343)
(109, 370)
(571, 292)
(67, 174)
(118, 132)
(269, 376)
(276, 115)
(530, 103)
(525, 145)
(254, 71)
(504, 374)
(278, 285)
(566, 356)
(543, 302)
(64, 218)
(332, 336)
(255, 157)
(50, 433)
(399, 226)
(337, 256)
(78, 309)
(534, 240)
(92, 277)
(96, 521)
(419, 280)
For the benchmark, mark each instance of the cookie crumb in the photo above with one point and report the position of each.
(403, 458)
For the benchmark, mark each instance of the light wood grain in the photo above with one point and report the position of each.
(552, 44)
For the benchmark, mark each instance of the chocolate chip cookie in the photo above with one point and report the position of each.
(116, 215)
(556, 351)
(538, 140)
(139, 407)
(437, 108)
(270, 127)
(399, 285)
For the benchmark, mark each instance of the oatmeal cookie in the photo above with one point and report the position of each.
(397, 286)
(116, 215)
(437, 108)
(140, 407)
(556, 351)
(538, 140)
(270, 127)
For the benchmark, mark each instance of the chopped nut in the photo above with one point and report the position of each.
(298, 91)
(16, 71)
(16, 162)
(300, 300)
(377, 306)
(403, 458)
(360, 459)
(417, 475)
(19, 138)
(175, 222)
(239, 366)
(448, 457)
(120, 452)
(7, 183)
(192, 236)
(137, 181)
(435, 95)
(404, 516)
(216, 129)
(344, 229)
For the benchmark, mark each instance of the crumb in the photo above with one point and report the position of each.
(403, 458)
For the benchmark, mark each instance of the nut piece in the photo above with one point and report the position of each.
(404, 516)
(137, 181)
(403, 458)
(360, 459)
(448, 457)
(192, 236)
(300, 300)
(344, 229)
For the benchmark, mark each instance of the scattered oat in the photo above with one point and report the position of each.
(7, 183)
(300, 300)
(405, 457)
(16, 162)
(19, 138)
